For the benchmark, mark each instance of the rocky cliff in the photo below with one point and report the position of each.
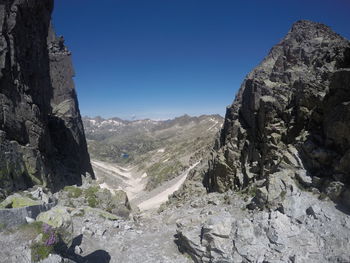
(41, 133)
(290, 120)
(278, 178)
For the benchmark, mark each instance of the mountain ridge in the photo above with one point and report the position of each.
(283, 82)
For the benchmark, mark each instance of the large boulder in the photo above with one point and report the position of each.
(206, 240)
(274, 237)
(59, 218)
(41, 194)
(306, 230)
(112, 201)
(18, 201)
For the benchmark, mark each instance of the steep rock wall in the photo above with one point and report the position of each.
(290, 118)
(41, 134)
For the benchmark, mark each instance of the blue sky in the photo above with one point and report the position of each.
(164, 58)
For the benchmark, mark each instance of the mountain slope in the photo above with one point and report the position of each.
(162, 149)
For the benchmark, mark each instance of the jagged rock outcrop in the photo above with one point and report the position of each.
(41, 134)
(290, 120)
(315, 232)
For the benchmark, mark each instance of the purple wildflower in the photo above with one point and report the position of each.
(51, 240)
(46, 228)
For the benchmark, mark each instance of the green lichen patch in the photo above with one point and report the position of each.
(18, 201)
(32, 172)
(57, 217)
(73, 191)
(283, 195)
(248, 192)
(40, 251)
(90, 195)
(2, 227)
(252, 191)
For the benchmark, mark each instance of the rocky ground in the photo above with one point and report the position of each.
(92, 234)
(303, 229)
(213, 228)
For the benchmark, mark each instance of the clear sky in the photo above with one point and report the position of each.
(163, 58)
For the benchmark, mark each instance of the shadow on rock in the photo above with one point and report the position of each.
(343, 208)
(76, 241)
(98, 256)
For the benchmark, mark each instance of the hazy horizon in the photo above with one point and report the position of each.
(136, 118)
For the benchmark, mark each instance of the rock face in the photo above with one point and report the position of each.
(218, 228)
(41, 134)
(290, 119)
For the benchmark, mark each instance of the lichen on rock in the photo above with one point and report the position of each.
(18, 201)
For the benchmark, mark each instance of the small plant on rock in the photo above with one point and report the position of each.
(45, 243)
(2, 227)
(90, 195)
(73, 191)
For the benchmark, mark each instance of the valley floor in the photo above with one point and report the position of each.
(133, 182)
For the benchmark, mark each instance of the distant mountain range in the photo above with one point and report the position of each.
(98, 128)
(162, 149)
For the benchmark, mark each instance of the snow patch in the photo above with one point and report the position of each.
(216, 122)
(134, 183)
(162, 197)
